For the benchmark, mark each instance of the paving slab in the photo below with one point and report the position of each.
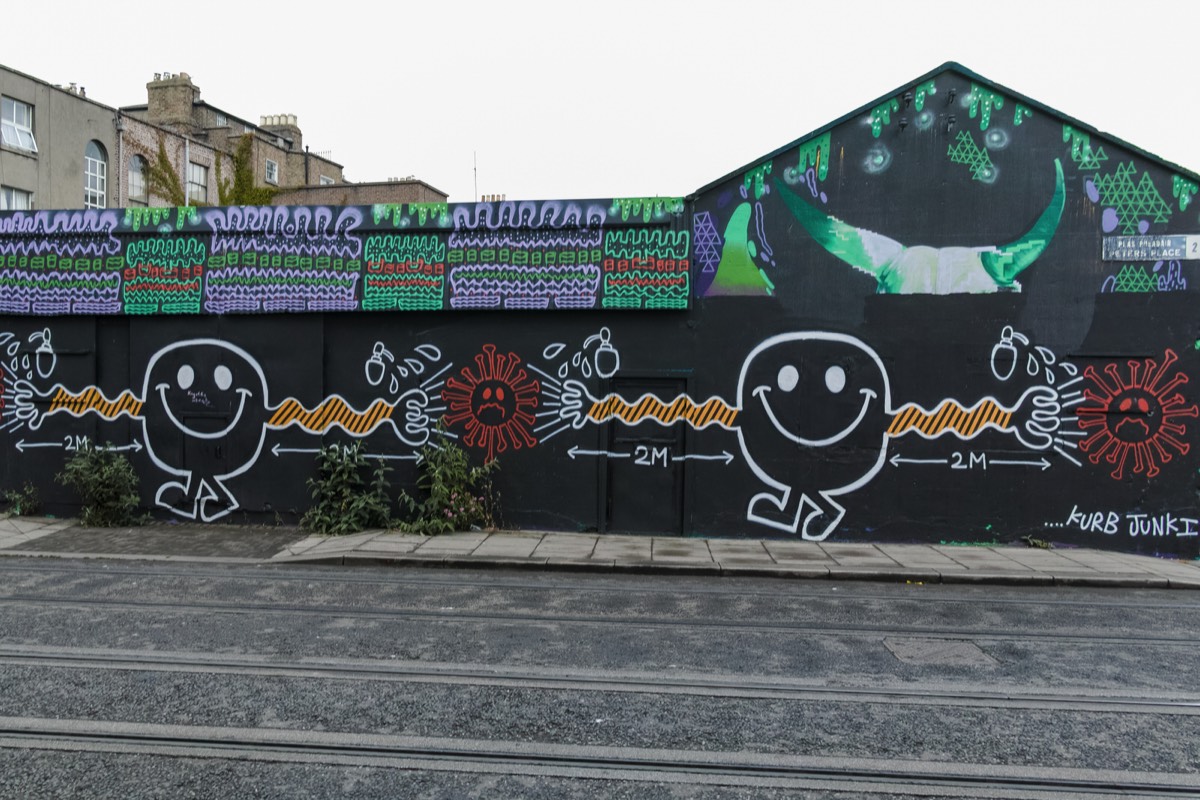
(566, 546)
(738, 548)
(504, 545)
(391, 544)
(626, 548)
(456, 544)
(797, 551)
(695, 549)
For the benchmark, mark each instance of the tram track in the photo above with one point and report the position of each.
(786, 771)
(575, 680)
(458, 616)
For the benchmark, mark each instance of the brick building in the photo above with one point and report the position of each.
(60, 149)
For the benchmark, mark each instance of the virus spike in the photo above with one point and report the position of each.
(1145, 459)
(1163, 456)
(1179, 380)
(1134, 366)
(1182, 447)
(1169, 358)
(1118, 457)
(1091, 373)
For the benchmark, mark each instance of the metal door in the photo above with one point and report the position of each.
(644, 475)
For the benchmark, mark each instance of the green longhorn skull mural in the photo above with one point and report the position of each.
(900, 269)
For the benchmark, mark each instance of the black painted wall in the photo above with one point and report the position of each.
(902, 328)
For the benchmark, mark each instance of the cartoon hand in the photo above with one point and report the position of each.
(24, 398)
(1035, 419)
(416, 421)
(574, 395)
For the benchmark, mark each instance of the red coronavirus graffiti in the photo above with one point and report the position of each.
(494, 402)
(1138, 412)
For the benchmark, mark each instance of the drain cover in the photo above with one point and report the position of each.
(942, 652)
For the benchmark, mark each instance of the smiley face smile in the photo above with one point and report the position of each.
(761, 393)
(162, 394)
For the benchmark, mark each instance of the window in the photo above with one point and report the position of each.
(95, 175)
(16, 124)
(326, 180)
(137, 181)
(272, 172)
(222, 120)
(15, 199)
(197, 187)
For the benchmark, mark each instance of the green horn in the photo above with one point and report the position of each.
(1006, 262)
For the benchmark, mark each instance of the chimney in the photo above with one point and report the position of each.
(170, 99)
(285, 126)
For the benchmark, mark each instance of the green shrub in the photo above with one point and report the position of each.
(343, 502)
(23, 502)
(458, 496)
(107, 486)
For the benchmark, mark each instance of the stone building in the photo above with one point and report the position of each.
(61, 149)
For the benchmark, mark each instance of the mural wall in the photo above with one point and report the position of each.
(954, 316)
(414, 256)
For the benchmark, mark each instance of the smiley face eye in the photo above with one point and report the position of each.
(1143, 406)
(223, 377)
(487, 393)
(835, 379)
(185, 377)
(1126, 404)
(788, 378)
(500, 393)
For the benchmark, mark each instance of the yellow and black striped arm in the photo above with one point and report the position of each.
(92, 400)
(333, 411)
(951, 416)
(713, 411)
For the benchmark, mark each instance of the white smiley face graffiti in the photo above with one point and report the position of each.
(185, 379)
(787, 381)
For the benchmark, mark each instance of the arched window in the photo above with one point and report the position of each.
(138, 194)
(95, 175)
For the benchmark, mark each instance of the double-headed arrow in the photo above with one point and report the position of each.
(23, 445)
(724, 455)
(1041, 463)
(276, 450)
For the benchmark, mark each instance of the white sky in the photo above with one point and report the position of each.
(621, 98)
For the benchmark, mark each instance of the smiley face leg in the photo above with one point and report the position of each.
(796, 512)
(200, 499)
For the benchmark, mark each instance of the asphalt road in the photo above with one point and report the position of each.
(137, 680)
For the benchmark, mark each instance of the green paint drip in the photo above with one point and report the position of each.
(384, 211)
(1183, 190)
(1081, 150)
(646, 207)
(921, 92)
(439, 211)
(814, 153)
(981, 103)
(1020, 114)
(882, 115)
(756, 177)
(135, 218)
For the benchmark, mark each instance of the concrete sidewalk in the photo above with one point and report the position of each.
(47, 537)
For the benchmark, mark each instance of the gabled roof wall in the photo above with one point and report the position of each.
(955, 67)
